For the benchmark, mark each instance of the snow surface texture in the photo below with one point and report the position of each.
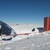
(25, 28)
(36, 42)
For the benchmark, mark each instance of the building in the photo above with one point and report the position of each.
(46, 23)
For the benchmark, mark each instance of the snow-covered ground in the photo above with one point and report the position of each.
(36, 42)
(24, 42)
(23, 28)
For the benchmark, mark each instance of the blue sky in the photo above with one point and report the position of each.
(24, 11)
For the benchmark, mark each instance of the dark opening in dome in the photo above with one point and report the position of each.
(5, 29)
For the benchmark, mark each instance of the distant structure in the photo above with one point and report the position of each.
(46, 23)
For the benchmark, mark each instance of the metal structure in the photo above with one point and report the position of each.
(46, 23)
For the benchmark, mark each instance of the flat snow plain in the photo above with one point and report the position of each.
(36, 42)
